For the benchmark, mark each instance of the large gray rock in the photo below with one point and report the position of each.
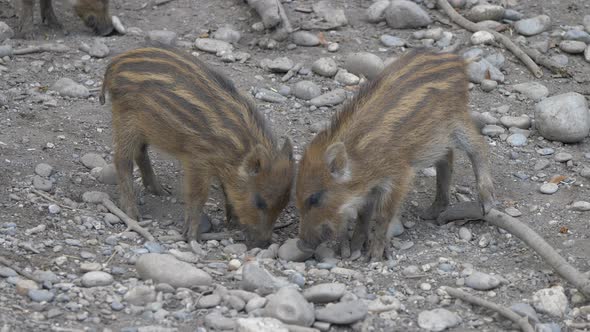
(485, 12)
(290, 307)
(402, 14)
(364, 63)
(438, 319)
(579, 35)
(563, 118)
(333, 17)
(280, 65)
(163, 268)
(533, 26)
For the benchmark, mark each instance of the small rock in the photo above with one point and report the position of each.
(438, 319)
(403, 14)
(23, 286)
(533, 90)
(54, 208)
(68, 88)
(334, 17)
(332, 98)
(465, 234)
(256, 278)
(227, 34)
(43, 169)
(255, 303)
(485, 12)
(479, 71)
(343, 312)
(488, 85)
(289, 306)
(5, 32)
(162, 268)
(560, 60)
(525, 309)
(162, 36)
(108, 175)
(209, 301)
(6, 272)
(392, 41)
(234, 264)
(41, 295)
(513, 212)
(306, 90)
(325, 67)
(522, 122)
(291, 253)
(96, 279)
(482, 37)
(213, 46)
(551, 301)
(260, 324)
(323, 293)
(492, 130)
(333, 47)
(345, 78)
(98, 49)
(280, 65)
(305, 38)
(564, 118)
(270, 96)
(93, 160)
(572, 46)
(549, 188)
(578, 35)
(563, 157)
(533, 26)
(140, 295)
(364, 63)
(376, 12)
(482, 281)
(580, 206)
(517, 140)
(218, 322)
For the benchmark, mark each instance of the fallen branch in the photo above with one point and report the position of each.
(472, 210)
(52, 200)
(6, 262)
(546, 62)
(511, 315)
(467, 24)
(103, 198)
(204, 237)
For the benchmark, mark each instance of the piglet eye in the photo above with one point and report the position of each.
(260, 202)
(314, 199)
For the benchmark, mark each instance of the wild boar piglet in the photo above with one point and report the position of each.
(413, 115)
(169, 99)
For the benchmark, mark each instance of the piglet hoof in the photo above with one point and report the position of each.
(355, 255)
(304, 247)
(345, 250)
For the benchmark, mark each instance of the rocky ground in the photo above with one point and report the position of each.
(86, 273)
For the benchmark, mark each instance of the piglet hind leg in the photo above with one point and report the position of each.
(444, 174)
(126, 146)
(48, 15)
(196, 190)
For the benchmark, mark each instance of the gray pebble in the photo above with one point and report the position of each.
(218, 322)
(488, 85)
(525, 309)
(289, 306)
(40, 295)
(522, 122)
(364, 63)
(332, 98)
(560, 60)
(108, 175)
(345, 78)
(517, 140)
(580, 206)
(280, 65)
(98, 49)
(306, 90)
(117, 306)
(209, 301)
(68, 88)
(343, 312)
(305, 38)
(563, 157)
(227, 34)
(322, 293)
(392, 41)
(578, 35)
(533, 26)
(43, 170)
(549, 188)
(485, 12)
(162, 268)
(269, 96)
(96, 279)
(403, 14)
(256, 303)
(551, 301)
(438, 319)
(512, 15)
(333, 47)
(162, 36)
(465, 234)
(290, 252)
(572, 46)
(513, 212)
(213, 46)
(141, 295)
(54, 209)
(482, 281)
(492, 130)
(93, 160)
(325, 67)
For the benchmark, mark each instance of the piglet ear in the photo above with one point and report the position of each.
(287, 149)
(338, 162)
(255, 161)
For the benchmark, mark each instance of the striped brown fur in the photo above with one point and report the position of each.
(411, 116)
(169, 99)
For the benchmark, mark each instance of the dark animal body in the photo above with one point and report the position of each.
(360, 168)
(169, 99)
(94, 14)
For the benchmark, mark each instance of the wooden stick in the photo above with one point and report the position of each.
(546, 62)
(6, 262)
(131, 224)
(49, 198)
(467, 24)
(514, 317)
(59, 48)
(527, 235)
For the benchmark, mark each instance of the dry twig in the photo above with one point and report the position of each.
(514, 317)
(59, 48)
(472, 210)
(467, 24)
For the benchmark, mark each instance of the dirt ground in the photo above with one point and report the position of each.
(32, 132)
